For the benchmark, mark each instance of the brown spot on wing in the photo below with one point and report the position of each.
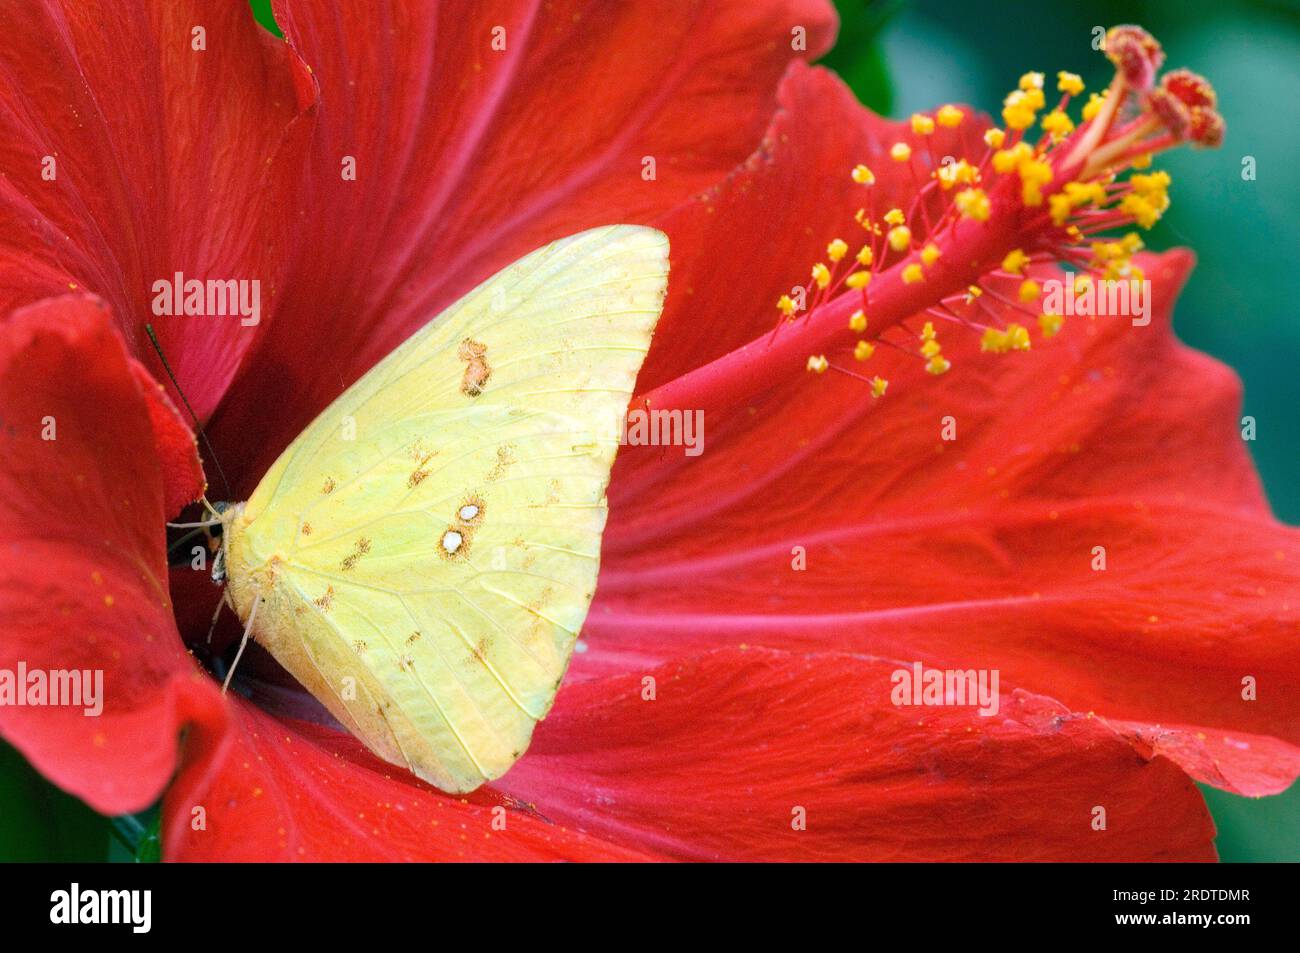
(326, 600)
(477, 369)
(420, 472)
(329, 485)
(362, 547)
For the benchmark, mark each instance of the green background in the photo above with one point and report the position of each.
(902, 57)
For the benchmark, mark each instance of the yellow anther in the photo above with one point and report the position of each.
(817, 363)
(1015, 261)
(930, 254)
(858, 280)
(786, 306)
(1006, 160)
(1060, 207)
(821, 274)
(878, 386)
(995, 341)
(900, 238)
(865, 256)
(927, 331)
(1029, 290)
(1071, 83)
(994, 138)
(973, 204)
(900, 152)
(895, 216)
(953, 173)
(922, 124)
(1034, 174)
(938, 365)
(858, 321)
(1018, 337)
(912, 274)
(863, 350)
(949, 116)
(1031, 81)
(837, 249)
(862, 175)
(1058, 125)
(930, 348)
(1018, 111)
(1093, 106)
(973, 292)
(1143, 161)
(1050, 324)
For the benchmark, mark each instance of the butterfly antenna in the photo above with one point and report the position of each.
(148, 329)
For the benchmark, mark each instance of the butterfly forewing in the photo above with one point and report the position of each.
(427, 549)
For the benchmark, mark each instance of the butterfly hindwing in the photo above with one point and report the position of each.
(427, 549)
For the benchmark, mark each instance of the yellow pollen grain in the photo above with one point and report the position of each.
(922, 124)
(821, 275)
(930, 254)
(858, 280)
(863, 350)
(900, 152)
(878, 386)
(858, 321)
(862, 175)
(913, 274)
(1029, 290)
(900, 238)
(817, 363)
(837, 249)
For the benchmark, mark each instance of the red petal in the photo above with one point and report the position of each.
(970, 553)
(469, 157)
(296, 791)
(167, 159)
(82, 576)
(734, 741)
(174, 444)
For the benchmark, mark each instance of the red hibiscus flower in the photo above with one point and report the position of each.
(738, 693)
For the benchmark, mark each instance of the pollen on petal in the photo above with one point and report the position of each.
(900, 152)
(862, 175)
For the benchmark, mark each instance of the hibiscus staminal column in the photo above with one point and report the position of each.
(907, 277)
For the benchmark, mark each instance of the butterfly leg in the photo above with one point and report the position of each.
(243, 643)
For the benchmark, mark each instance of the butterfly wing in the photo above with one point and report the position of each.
(424, 554)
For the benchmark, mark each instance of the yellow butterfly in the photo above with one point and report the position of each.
(423, 556)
